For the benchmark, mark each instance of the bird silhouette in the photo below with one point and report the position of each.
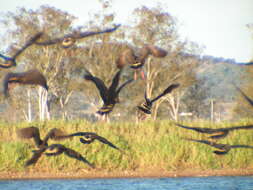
(222, 148)
(11, 61)
(32, 77)
(137, 60)
(147, 105)
(110, 96)
(219, 133)
(42, 144)
(59, 150)
(34, 133)
(69, 39)
(89, 137)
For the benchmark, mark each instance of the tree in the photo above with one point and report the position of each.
(53, 61)
(157, 27)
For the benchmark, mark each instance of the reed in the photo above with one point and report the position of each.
(148, 145)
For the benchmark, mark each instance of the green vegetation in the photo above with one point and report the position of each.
(148, 145)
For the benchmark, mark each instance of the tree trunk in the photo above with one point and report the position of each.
(43, 106)
(29, 107)
(174, 103)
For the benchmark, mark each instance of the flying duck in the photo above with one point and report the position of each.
(32, 77)
(137, 60)
(59, 149)
(11, 61)
(108, 95)
(33, 132)
(218, 133)
(147, 105)
(69, 39)
(222, 148)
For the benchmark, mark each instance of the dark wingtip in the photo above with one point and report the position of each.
(46, 87)
(87, 75)
(143, 109)
(220, 152)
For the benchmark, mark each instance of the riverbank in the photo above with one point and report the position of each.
(85, 174)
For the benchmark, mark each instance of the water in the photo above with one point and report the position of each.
(184, 183)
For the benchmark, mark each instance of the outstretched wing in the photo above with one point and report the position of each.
(147, 50)
(166, 91)
(112, 89)
(74, 154)
(223, 147)
(55, 134)
(33, 77)
(30, 132)
(240, 127)
(91, 136)
(126, 57)
(250, 101)
(27, 44)
(201, 141)
(10, 78)
(99, 84)
(198, 129)
(76, 35)
(88, 33)
(59, 149)
(123, 85)
(5, 57)
(105, 141)
(36, 156)
(50, 42)
(156, 51)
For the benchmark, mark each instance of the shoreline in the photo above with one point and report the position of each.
(29, 175)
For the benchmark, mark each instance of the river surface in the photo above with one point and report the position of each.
(182, 183)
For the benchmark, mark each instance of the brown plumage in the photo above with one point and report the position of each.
(147, 105)
(218, 133)
(42, 144)
(32, 77)
(137, 60)
(69, 39)
(89, 137)
(59, 149)
(109, 95)
(33, 132)
(222, 148)
(11, 61)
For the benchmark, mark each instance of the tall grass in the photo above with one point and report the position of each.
(148, 145)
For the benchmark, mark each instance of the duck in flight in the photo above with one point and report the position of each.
(90, 137)
(11, 61)
(222, 148)
(32, 77)
(219, 133)
(137, 60)
(59, 149)
(147, 105)
(69, 39)
(42, 145)
(110, 96)
(34, 133)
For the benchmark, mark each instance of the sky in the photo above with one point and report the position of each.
(217, 25)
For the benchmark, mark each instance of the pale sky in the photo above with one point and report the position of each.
(219, 25)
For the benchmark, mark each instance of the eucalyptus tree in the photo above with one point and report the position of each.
(55, 62)
(157, 27)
